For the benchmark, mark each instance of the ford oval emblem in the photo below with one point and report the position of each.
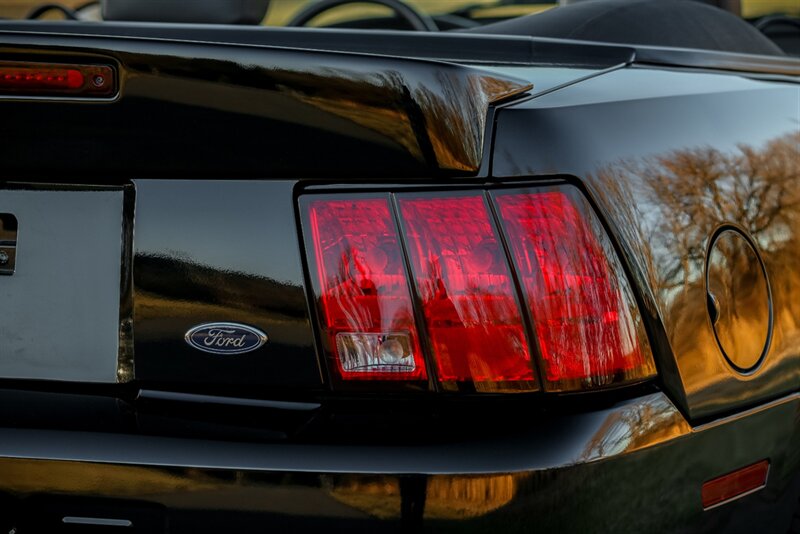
(225, 338)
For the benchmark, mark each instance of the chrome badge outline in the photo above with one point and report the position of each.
(226, 329)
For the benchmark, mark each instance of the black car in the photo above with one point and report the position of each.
(494, 274)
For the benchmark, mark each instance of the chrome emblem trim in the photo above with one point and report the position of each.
(225, 338)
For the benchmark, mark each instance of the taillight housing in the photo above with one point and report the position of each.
(505, 290)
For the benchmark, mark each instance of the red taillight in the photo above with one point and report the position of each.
(737, 484)
(583, 310)
(39, 79)
(363, 291)
(464, 282)
(470, 254)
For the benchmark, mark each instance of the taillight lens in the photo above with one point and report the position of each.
(40, 78)
(362, 289)
(736, 484)
(468, 298)
(470, 255)
(48, 79)
(585, 317)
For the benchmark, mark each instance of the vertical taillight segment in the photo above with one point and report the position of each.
(464, 283)
(585, 317)
(362, 290)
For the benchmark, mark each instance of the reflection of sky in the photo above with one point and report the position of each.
(724, 121)
(735, 181)
(725, 111)
(644, 141)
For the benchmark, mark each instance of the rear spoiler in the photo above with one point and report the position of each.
(291, 111)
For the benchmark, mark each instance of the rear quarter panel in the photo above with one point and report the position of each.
(668, 156)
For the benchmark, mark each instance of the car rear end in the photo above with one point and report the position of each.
(254, 287)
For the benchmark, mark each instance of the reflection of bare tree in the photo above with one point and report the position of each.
(447, 497)
(637, 426)
(691, 191)
(668, 206)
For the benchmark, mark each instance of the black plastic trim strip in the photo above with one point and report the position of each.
(172, 396)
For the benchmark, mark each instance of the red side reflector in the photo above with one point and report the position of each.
(40, 79)
(737, 484)
(586, 320)
(362, 290)
(467, 293)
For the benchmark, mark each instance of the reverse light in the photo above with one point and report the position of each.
(48, 79)
(468, 299)
(362, 289)
(585, 317)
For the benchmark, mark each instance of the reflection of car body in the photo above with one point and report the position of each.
(402, 281)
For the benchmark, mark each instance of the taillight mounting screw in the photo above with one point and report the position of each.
(99, 80)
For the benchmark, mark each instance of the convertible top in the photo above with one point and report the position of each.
(672, 23)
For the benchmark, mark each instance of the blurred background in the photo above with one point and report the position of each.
(281, 11)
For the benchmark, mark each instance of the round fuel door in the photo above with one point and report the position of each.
(739, 299)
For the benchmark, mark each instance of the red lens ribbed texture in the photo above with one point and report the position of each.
(581, 305)
(467, 293)
(365, 298)
(32, 78)
(734, 484)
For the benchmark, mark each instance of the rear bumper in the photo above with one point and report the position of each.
(635, 466)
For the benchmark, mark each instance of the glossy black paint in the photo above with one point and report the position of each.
(201, 447)
(682, 161)
(81, 412)
(217, 251)
(545, 475)
(265, 111)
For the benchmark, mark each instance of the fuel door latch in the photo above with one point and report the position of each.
(8, 243)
